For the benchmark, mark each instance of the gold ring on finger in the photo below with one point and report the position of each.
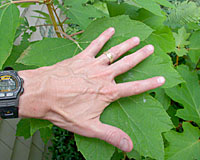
(110, 57)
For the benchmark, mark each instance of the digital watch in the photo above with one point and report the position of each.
(10, 90)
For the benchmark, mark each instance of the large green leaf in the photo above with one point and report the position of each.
(8, 25)
(155, 65)
(47, 52)
(81, 13)
(162, 38)
(116, 9)
(183, 146)
(194, 51)
(188, 95)
(142, 118)
(150, 19)
(153, 5)
(125, 28)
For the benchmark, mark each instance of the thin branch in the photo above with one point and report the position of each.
(177, 59)
(124, 156)
(43, 25)
(60, 24)
(53, 20)
(26, 1)
(65, 20)
(76, 33)
(70, 38)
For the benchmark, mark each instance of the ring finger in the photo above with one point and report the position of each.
(115, 52)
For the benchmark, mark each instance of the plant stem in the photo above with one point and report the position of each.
(53, 20)
(124, 156)
(65, 20)
(70, 38)
(76, 33)
(60, 24)
(26, 1)
(177, 58)
(43, 25)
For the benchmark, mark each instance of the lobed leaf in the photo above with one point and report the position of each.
(181, 39)
(187, 94)
(142, 118)
(184, 145)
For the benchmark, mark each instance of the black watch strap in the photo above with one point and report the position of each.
(8, 108)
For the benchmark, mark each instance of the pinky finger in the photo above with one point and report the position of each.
(137, 87)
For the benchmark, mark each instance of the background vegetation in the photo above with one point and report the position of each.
(163, 123)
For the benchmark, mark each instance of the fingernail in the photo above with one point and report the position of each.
(111, 29)
(150, 47)
(124, 144)
(136, 39)
(161, 80)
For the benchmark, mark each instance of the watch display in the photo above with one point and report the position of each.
(7, 83)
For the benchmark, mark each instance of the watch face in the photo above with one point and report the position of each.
(7, 83)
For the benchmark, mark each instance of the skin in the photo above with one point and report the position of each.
(73, 93)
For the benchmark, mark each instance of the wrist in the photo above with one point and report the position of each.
(30, 102)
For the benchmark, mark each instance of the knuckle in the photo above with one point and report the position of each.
(137, 87)
(110, 93)
(111, 135)
(127, 62)
(96, 42)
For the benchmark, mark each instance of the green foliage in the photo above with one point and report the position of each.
(184, 145)
(184, 13)
(187, 94)
(171, 26)
(45, 16)
(194, 52)
(48, 47)
(64, 146)
(153, 5)
(128, 114)
(181, 41)
(27, 127)
(81, 13)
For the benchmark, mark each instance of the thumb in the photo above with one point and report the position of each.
(114, 136)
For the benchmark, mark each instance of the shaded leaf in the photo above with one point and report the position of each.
(81, 13)
(187, 94)
(153, 5)
(194, 51)
(184, 145)
(45, 134)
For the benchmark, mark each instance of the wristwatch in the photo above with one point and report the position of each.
(11, 87)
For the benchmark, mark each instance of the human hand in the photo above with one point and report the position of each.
(73, 93)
